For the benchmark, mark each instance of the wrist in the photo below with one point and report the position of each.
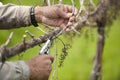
(38, 14)
(31, 75)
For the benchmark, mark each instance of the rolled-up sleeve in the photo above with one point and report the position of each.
(13, 16)
(14, 71)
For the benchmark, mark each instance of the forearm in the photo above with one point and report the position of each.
(13, 16)
(14, 71)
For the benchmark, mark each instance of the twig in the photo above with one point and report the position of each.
(81, 8)
(60, 1)
(30, 34)
(73, 7)
(24, 39)
(48, 1)
(92, 3)
(41, 30)
(9, 39)
(56, 57)
(45, 3)
(3, 49)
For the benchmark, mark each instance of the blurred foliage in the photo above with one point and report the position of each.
(79, 61)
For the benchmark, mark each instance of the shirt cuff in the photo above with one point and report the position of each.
(18, 70)
(23, 68)
(13, 16)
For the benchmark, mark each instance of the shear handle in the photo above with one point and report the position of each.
(45, 48)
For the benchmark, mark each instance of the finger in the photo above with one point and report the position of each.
(70, 24)
(65, 9)
(76, 11)
(65, 21)
(67, 30)
(64, 15)
(68, 8)
(62, 25)
(46, 77)
(48, 61)
(51, 58)
(72, 19)
(46, 57)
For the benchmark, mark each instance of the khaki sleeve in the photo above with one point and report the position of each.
(14, 71)
(13, 16)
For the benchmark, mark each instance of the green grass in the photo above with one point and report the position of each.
(78, 63)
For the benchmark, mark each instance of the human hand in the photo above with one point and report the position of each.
(57, 15)
(40, 67)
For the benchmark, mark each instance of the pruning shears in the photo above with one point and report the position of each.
(46, 48)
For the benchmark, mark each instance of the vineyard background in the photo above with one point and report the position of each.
(78, 64)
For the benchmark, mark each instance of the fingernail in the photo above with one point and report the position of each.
(69, 24)
(67, 30)
(62, 25)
